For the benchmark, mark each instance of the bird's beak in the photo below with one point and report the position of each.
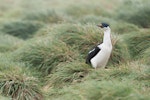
(100, 25)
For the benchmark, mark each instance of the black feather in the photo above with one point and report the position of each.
(92, 54)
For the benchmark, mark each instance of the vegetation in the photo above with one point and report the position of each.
(20, 29)
(43, 46)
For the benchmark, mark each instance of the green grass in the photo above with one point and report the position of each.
(16, 81)
(21, 29)
(67, 73)
(9, 43)
(43, 46)
(45, 54)
(48, 16)
(136, 12)
(108, 84)
(138, 42)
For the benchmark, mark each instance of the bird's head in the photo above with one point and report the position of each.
(104, 26)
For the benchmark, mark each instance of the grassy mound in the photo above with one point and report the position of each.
(19, 86)
(9, 43)
(95, 90)
(114, 83)
(67, 73)
(45, 54)
(120, 52)
(78, 36)
(21, 29)
(137, 42)
(16, 81)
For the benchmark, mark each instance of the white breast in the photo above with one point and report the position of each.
(101, 59)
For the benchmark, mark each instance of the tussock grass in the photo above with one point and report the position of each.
(78, 36)
(136, 12)
(93, 19)
(49, 16)
(45, 54)
(20, 29)
(84, 9)
(129, 81)
(145, 56)
(120, 52)
(67, 73)
(98, 8)
(19, 86)
(9, 43)
(16, 81)
(123, 71)
(120, 27)
(94, 90)
(6, 62)
(137, 42)
(58, 36)
(124, 27)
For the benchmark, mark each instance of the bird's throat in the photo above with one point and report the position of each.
(107, 37)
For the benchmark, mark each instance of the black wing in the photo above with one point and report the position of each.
(91, 54)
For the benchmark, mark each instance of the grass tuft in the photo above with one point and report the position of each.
(67, 73)
(124, 27)
(19, 87)
(9, 43)
(45, 54)
(20, 29)
(95, 90)
(137, 42)
(16, 81)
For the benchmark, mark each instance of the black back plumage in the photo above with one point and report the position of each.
(92, 53)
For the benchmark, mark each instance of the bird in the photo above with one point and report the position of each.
(100, 54)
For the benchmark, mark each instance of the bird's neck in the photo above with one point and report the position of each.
(107, 37)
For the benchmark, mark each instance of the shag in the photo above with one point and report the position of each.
(99, 55)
